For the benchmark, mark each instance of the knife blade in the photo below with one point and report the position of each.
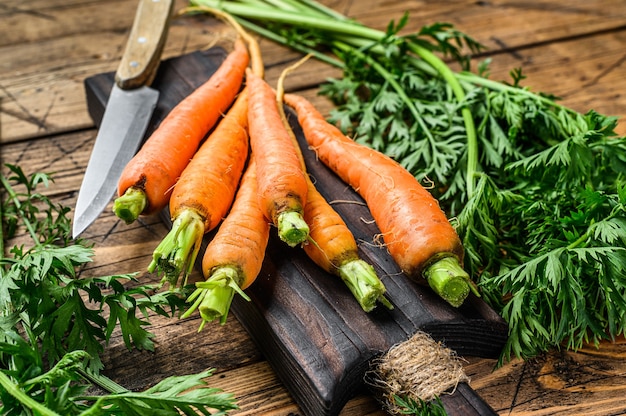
(128, 111)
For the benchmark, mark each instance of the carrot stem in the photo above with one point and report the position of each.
(214, 296)
(309, 20)
(468, 119)
(129, 206)
(177, 252)
(361, 279)
(292, 228)
(448, 279)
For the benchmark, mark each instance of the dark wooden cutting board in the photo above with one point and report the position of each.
(305, 321)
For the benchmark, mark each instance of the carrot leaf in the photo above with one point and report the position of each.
(176, 253)
(186, 395)
(53, 329)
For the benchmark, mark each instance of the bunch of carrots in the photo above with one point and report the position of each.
(234, 165)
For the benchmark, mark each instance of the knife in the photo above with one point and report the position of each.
(128, 111)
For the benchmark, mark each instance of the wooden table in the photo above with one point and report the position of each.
(574, 49)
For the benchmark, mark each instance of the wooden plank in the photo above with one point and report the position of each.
(34, 105)
(501, 24)
(49, 48)
(590, 381)
(41, 90)
(531, 22)
(39, 21)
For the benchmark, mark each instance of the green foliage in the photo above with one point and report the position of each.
(49, 221)
(409, 406)
(52, 323)
(176, 395)
(430, 138)
(534, 189)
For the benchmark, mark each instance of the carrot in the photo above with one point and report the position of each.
(331, 243)
(281, 180)
(334, 249)
(234, 257)
(147, 180)
(204, 193)
(415, 230)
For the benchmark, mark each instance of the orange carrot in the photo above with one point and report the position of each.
(281, 180)
(204, 193)
(334, 249)
(331, 243)
(415, 230)
(234, 257)
(147, 180)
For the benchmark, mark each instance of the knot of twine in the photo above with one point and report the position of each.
(419, 369)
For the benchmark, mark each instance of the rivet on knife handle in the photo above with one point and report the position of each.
(145, 43)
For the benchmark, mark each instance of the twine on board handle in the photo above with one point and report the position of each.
(420, 369)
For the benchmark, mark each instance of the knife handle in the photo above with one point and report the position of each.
(145, 43)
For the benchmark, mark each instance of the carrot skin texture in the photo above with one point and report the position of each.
(204, 193)
(234, 257)
(328, 231)
(281, 179)
(243, 236)
(214, 172)
(334, 249)
(415, 230)
(158, 164)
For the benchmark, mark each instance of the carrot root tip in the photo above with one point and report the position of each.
(448, 279)
(177, 252)
(292, 228)
(214, 296)
(129, 206)
(361, 279)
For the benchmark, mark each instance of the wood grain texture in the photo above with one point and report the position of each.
(91, 34)
(49, 49)
(573, 48)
